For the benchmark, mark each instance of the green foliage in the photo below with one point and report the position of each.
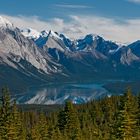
(114, 118)
(125, 123)
(68, 122)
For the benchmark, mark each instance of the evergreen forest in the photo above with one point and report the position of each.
(110, 118)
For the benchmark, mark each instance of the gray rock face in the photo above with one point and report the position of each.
(93, 56)
(15, 46)
(49, 56)
(20, 55)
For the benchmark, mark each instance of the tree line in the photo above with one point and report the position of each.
(111, 118)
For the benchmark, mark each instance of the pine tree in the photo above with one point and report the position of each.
(62, 121)
(72, 127)
(56, 134)
(125, 121)
(34, 134)
(42, 127)
(138, 116)
(7, 130)
(10, 123)
(20, 129)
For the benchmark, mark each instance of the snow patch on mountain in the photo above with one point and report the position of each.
(114, 50)
(54, 34)
(44, 33)
(30, 33)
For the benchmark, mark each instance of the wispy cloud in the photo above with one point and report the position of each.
(72, 6)
(134, 1)
(79, 26)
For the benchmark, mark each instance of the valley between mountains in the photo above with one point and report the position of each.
(29, 58)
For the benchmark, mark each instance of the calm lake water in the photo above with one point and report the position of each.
(58, 94)
(76, 92)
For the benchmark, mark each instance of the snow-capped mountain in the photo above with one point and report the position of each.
(34, 34)
(30, 57)
(21, 59)
(31, 33)
(14, 45)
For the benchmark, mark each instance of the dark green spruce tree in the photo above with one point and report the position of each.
(125, 123)
(68, 122)
(7, 127)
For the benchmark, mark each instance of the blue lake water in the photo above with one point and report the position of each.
(58, 94)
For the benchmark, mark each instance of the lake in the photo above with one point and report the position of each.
(57, 94)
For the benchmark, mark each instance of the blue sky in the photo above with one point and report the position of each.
(61, 8)
(108, 18)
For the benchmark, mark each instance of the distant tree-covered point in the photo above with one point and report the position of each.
(114, 118)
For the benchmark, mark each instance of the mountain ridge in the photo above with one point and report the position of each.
(48, 56)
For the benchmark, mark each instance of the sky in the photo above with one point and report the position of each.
(116, 20)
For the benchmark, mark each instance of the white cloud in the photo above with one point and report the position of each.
(72, 6)
(134, 1)
(78, 26)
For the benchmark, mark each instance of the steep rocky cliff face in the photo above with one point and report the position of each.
(28, 57)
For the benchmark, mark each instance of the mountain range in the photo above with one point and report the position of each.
(29, 58)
